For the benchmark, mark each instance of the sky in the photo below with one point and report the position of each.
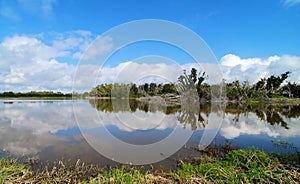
(42, 42)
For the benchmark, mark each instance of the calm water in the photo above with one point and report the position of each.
(52, 129)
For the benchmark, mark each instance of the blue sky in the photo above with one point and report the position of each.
(239, 31)
(269, 26)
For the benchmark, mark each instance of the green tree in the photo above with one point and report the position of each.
(133, 89)
(291, 90)
(260, 85)
(146, 87)
(152, 87)
(201, 78)
(193, 75)
(169, 88)
(273, 83)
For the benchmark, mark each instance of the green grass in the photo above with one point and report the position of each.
(238, 166)
(242, 166)
(11, 171)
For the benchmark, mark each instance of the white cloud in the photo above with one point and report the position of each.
(231, 60)
(23, 46)
(100, 46)
(252, 69)
(231, 68)
(286, 63)
(74, 42)
(140, 72)
(48, 62)
(27, 63)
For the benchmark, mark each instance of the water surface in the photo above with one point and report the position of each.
(49, 130)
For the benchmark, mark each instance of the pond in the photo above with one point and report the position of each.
(137, 132)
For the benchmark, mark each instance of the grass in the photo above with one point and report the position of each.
(275, 100)
(237, 166)
(243, 166)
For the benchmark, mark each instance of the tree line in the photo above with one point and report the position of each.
(270, 87)
(133, 90)
(273, 86)
(37, 94)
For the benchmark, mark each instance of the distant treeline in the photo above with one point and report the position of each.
(133, 90)
(38, 94)
(270, 87)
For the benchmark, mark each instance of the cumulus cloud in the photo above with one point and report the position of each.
(98, 47)
(28, 63)
(286, 63)
(231, 67)
(48, 62)
(252, 69)
(140, 72)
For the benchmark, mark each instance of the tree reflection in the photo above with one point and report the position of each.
(190, 106)
(292, 111)
(128, 105)
(274, 114)
(274, 118)
(191, 115)
(103, 105)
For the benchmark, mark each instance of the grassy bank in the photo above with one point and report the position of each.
(274, 100)
(238, 166)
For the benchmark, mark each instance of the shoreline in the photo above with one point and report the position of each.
(239, 166)
(170, 99)
(173, 99)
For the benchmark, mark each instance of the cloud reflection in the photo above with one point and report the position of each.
(27, 127)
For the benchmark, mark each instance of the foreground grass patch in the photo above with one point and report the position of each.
(238, 166)
(243, 166)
